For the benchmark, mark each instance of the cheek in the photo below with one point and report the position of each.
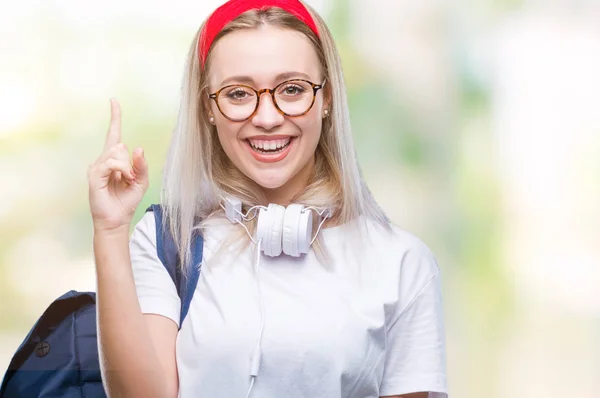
(316, 117)
(311, 126)
(227, 135)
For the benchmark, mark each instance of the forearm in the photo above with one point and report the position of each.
(129, 363)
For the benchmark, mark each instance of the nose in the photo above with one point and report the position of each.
(267, 116)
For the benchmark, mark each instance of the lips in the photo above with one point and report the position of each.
(270, 149)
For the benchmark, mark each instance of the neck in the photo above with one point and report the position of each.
(283, 195)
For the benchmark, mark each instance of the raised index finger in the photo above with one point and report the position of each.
(113, 136)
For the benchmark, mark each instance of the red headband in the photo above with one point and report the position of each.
(234, 8)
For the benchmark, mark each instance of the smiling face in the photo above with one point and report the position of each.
(274, 150)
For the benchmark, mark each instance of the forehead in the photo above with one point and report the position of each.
(263, 54)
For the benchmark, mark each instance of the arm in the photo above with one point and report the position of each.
(137, 352)
(415, 349)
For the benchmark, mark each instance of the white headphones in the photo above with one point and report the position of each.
(279, 229)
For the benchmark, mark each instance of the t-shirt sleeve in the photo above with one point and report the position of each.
(416, 350)
(155, 289)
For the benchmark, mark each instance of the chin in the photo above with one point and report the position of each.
(276, 181)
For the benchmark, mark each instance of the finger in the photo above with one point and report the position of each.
(113, 136)
(118, 151)
(122, 154)
(140, 166)
(112, 165)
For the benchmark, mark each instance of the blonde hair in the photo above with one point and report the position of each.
(198, 172)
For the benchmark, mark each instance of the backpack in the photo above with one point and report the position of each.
(59, 356)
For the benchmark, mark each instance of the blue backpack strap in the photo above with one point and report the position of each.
(167, 252)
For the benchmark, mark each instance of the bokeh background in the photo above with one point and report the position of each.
(477, 124)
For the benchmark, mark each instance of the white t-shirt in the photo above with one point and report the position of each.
(364, 326)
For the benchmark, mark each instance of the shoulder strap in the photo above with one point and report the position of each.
(167, 252)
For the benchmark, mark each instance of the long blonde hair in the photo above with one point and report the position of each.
(198, 172)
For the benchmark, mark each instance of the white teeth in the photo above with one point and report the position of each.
(270, 145)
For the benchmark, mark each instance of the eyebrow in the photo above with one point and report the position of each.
(248, 80)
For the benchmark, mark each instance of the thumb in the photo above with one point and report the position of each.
(140, 166)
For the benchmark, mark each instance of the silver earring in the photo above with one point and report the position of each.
(211, 120)
(326, 113)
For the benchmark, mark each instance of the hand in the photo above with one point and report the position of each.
(117, 183)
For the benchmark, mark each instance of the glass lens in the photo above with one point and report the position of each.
(294, 97)
(237, 102)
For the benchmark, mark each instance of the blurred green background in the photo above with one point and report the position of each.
(477, 128)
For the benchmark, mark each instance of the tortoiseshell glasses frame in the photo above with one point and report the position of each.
(272, 91)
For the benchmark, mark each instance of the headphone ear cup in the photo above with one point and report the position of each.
(273, 246)
(290, 229)
(263, 227)
(305, 226)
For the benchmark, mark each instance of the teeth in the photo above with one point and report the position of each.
(270, 145)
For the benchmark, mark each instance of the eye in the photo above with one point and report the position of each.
(292, 89)
(237, 94)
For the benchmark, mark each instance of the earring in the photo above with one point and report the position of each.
(326, 113)
(211, 120)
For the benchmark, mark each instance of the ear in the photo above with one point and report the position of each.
(205, 106)
(327, 95)
(205, 103)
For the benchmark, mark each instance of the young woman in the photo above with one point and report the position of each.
(263, 121)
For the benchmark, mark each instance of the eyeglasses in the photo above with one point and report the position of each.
(238, 102)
